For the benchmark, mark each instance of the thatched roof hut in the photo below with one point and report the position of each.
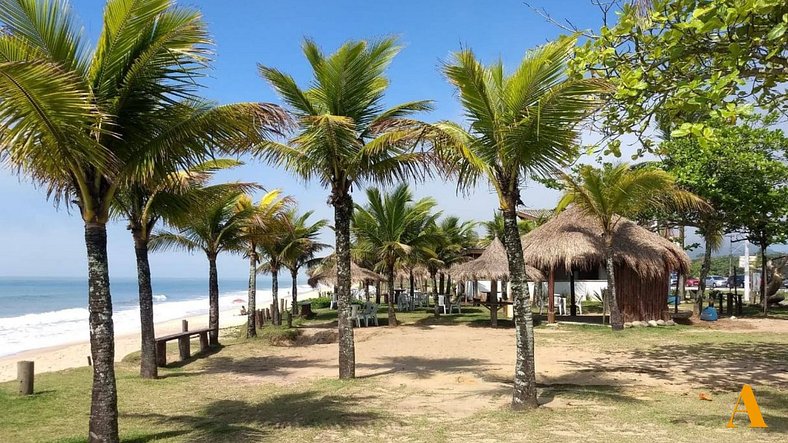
(643, 260)
(327, 274)
(492, 264)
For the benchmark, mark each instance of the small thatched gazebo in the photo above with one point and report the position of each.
(492, 264)
(643, 260)
(328, 274)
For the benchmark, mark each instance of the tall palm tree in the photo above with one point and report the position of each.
(301, 246)
(614, 191)
(211, 228)
(450, 238)
(347, 138)
(259, 225)
(391, 228)
(84, 123)
(142, 205)
(520, 124)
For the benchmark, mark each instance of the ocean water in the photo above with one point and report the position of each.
(42, 312)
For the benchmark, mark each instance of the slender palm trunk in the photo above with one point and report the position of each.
(412, 289)
(213, 300)
(366, 290)
(294, 291)
(390, 280)
(704, 272)
(104, 401)
(524, 395)
(277, 318)
(616, 319)
(148, 367)
(251, 322)
(343, 212)
(378, 287)
(682, 278)
(493, 301)
(764, 295)
(434, 277)
(441, 283)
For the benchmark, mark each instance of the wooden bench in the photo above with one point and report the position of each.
(184, 343)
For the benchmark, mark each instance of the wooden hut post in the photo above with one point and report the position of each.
(551, 297)
(494, 303)
(572, 307)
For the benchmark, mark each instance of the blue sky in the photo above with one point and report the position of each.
(40, 240)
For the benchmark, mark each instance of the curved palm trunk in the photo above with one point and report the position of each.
(524, 395)
(213, 300)
(104, 400)
(275, 296)
(343, 212)
(390, 280)
(434, 277)
(704, 272)
(294, 291)
(148, 367)
(251, 319)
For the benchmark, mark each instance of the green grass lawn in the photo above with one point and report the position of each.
(206, 400)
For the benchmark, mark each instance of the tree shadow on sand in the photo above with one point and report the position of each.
(261, 365)
(234, 420)
(423, 367)
(724, 367)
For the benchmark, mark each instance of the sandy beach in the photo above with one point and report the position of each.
(75, 354)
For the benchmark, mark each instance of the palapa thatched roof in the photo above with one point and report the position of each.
(419, 271)
(492, 264)
(326, 273)
(573, 240)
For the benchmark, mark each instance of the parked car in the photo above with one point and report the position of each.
(738, 284)
(692, 282)
(716, 281)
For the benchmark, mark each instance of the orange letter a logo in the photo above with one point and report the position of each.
(750, 408)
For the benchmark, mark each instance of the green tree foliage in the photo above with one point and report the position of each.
(392, 228)
(678, 63)
(743, 175)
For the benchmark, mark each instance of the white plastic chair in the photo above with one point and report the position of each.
(354, 315)
(333, 303)
(559, 302)
(442, 303)
(370, 311)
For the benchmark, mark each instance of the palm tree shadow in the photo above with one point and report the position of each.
(236, 420)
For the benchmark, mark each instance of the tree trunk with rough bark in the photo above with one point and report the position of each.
(378, 288)
(103, 425)
(524, 395)
(213, 300)
(294, 297)
(616, 319)
(148, 367)
(493, 301)
(682, 283)
(251, 322)
(390, 280)
(704, 272)
(441, 288)
(277, 316)
(343, 212)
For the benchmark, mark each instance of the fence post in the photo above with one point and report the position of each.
(25, 374)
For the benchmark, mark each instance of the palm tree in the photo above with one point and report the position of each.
(391, 228)
(301, 246)
(614, 191)
(520, 124)
(450, 238)
(495, 227)
(142, 205)
(271, 250)
(346, 138)
(212, 228)
(257, 228)
(84, 123)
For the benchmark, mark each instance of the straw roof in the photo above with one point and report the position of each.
(492, 264)
(419, 271)
(573, 239)
(328, 274)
